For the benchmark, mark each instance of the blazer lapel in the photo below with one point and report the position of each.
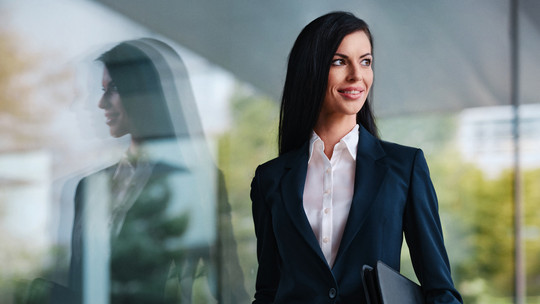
(292, 186)
(368, 178)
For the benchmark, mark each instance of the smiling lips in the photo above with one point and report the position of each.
(352, 92)
(111, 117)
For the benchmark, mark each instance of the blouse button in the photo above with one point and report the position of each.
(325, 240)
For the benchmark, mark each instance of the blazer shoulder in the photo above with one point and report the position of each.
(278, 164)
(268, 175)
(398, 151)
(402, 158)
(273, 164)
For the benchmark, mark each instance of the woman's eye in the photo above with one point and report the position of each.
(111, 88)
(366, 62)
(338, 62)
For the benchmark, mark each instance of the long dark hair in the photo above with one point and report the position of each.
(148, 86)
(307, 78)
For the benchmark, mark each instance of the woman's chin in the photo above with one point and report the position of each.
(117, 133)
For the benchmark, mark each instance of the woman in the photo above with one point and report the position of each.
(338, 197)
(160, 205)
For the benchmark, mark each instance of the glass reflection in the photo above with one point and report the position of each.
(148, 227)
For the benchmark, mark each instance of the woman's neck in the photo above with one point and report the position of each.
(134, 147)
(332, 131)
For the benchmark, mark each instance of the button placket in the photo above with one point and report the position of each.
(326, 225)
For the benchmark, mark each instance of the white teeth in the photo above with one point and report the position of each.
(351, 92)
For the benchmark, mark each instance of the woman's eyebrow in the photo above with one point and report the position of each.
(345, 56)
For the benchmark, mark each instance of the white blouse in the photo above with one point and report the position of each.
(329, 190)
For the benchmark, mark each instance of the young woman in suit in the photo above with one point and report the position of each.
(337, 197)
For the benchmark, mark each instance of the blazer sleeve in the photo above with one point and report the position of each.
(268, 272)
(423, 232)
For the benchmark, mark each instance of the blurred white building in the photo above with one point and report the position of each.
(486, 137)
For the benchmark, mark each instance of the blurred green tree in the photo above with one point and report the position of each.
(476, 211)
(251, 140)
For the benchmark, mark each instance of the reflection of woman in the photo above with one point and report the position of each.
(338, 197)
(159, 203)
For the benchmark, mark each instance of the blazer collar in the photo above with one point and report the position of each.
(370, 173)
(368, 177)
(292, 191)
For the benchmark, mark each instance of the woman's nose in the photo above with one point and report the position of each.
(355, 73)
(103, 102)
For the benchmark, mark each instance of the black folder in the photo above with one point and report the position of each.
(384, 285)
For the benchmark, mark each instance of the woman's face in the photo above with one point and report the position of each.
(117, 118)
(350, 77)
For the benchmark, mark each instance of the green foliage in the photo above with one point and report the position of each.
(531, 197)
(476, 212)
(251, 141)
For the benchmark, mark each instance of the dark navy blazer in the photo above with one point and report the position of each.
(393, 196)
